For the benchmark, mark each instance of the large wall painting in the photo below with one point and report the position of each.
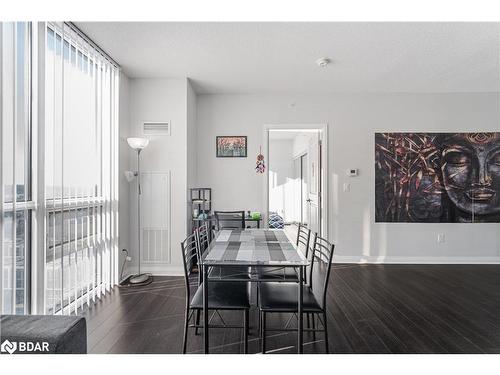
(437, 177)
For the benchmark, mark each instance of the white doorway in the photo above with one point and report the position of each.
(296, 179)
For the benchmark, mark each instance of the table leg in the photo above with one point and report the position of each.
(300, 348)
(258, 224)
(205, 308)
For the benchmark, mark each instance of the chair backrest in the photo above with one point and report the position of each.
(203, 238)
(190, 253)
(303, 245)
(203, 241)
(240, 215)
(319, 272)
(303, 239)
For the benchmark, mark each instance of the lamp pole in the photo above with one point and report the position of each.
(139, 207)
(139, 278)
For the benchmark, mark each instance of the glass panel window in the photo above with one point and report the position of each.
(16, 165)
(81, 105)
(78, 222)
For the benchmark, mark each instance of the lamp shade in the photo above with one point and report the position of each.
(138, 143)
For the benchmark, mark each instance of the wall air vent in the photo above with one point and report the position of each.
(156, 128)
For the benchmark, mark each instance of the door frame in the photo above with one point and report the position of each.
(324, 164)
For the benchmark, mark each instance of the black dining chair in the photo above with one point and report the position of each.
(282, 297)
(283, 274)
(239, 215)
(288, 273)
(221, 295)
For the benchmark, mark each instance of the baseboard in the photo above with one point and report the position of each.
(169, 270)
(414, 260)
(158, 270)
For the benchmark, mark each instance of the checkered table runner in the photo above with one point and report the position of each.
(252, 235)
(251, 247)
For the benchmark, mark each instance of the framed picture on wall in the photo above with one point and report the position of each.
(231, 146)
(437, 177)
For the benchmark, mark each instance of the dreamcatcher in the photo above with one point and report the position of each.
(261, 166)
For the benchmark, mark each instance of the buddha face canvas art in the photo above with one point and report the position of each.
(437, 177)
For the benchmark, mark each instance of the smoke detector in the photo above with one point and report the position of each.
(323, 62)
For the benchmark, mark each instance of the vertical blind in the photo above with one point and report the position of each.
(81, 135)
(58, 178)
(15, 166)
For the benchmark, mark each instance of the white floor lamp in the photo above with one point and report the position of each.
(138, 144)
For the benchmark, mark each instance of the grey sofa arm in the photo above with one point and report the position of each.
(31, 334)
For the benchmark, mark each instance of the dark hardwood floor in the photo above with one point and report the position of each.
(371, 309)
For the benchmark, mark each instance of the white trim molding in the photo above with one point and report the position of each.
(325, 151)
(413, 260)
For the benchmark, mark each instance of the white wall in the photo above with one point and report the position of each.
(123, 165)
(162, 100)
(301, 143)
(352, 121)
(282, 186)
(192, 135)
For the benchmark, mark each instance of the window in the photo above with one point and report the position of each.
(15, 178)
(69, 225)
(81, 89)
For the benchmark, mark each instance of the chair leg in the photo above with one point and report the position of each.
(258, 304)
(245, 329)
(257, 294)
(260, 327)
(186, 322)
(327, 348)
(308, 320)
(263, 332)
(248, 323)
(197, 321)
(313, 316)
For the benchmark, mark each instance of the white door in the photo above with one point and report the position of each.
(304, 190)
(314, 184)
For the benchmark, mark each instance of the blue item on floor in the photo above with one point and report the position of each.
(276, 221)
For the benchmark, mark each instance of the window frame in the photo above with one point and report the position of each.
(36, 206)
(101, 200)
(28, 205)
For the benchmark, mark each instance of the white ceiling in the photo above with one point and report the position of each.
(280, 57)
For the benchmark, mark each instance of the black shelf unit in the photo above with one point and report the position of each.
(200, 200)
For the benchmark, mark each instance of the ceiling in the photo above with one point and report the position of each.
(280, 57)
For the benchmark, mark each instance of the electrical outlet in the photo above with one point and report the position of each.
(440, 238)
(347, 187)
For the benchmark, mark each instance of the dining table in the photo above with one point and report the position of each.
(252, 248)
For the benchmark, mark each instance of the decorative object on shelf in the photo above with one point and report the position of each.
(231, 146)
(261, 166)
(138, 144)
(202, 216)
(255, 215)
(201, 204)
